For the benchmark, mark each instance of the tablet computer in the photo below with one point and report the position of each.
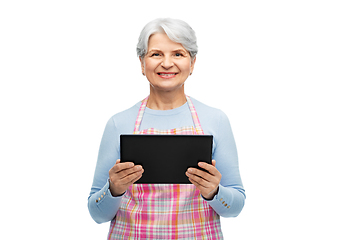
(165, 158)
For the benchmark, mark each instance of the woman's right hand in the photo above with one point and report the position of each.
(122, 175)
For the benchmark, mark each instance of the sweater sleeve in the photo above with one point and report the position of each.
(102, 205)
(230, 198)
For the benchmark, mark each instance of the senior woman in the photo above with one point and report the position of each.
(167, 51)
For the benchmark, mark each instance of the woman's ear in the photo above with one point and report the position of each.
(192, 65)
(142, 66)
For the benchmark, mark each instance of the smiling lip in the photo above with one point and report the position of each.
(166, 74)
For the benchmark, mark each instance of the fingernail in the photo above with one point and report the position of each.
(190, 170)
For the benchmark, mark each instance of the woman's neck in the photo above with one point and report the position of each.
(165, 100)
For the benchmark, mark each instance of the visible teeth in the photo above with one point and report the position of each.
(164, 74)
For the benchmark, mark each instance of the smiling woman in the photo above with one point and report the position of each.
(167, 65)
(167, 51)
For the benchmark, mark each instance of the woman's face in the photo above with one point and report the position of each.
(167, 64)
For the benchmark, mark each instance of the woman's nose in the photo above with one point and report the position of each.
(167, 62)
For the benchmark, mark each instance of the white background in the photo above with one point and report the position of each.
(285, 72)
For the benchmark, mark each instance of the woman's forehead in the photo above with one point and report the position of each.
(161, 42)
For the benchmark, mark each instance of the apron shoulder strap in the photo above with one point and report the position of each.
(140, 115)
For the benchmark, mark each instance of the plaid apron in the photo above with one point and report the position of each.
(165, 211)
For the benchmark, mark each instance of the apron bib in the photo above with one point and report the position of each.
(165, 211)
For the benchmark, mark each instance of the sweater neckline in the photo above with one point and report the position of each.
(174, 111)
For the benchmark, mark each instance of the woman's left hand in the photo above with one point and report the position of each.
(207, 183)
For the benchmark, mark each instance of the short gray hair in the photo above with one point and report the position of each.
(177, 30)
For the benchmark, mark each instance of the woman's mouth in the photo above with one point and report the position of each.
(166, 74)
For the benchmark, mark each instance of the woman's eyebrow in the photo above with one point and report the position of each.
(158, 50)
(179, 50)
(151, 51)
(154, 50)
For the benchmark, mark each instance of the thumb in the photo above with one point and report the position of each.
(213, 162)
(117, 161)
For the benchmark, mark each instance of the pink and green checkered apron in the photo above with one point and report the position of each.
(165, 211)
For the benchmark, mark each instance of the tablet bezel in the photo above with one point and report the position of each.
(170, 155)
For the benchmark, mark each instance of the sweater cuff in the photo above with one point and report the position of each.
(102, 205)
(104, 195)
(222, 201)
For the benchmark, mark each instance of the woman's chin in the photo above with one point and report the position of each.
(167, 87)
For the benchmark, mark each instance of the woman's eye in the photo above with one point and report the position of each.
(155, 55)
(178, 54)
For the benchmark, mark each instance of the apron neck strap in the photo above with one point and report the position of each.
(194, 115)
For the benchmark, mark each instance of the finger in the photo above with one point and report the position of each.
(198, 180)
(138, 177)
(197, 185)
(131, 178)
(118, 167)
(202, 174)
(124, 173)
(210, 168)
